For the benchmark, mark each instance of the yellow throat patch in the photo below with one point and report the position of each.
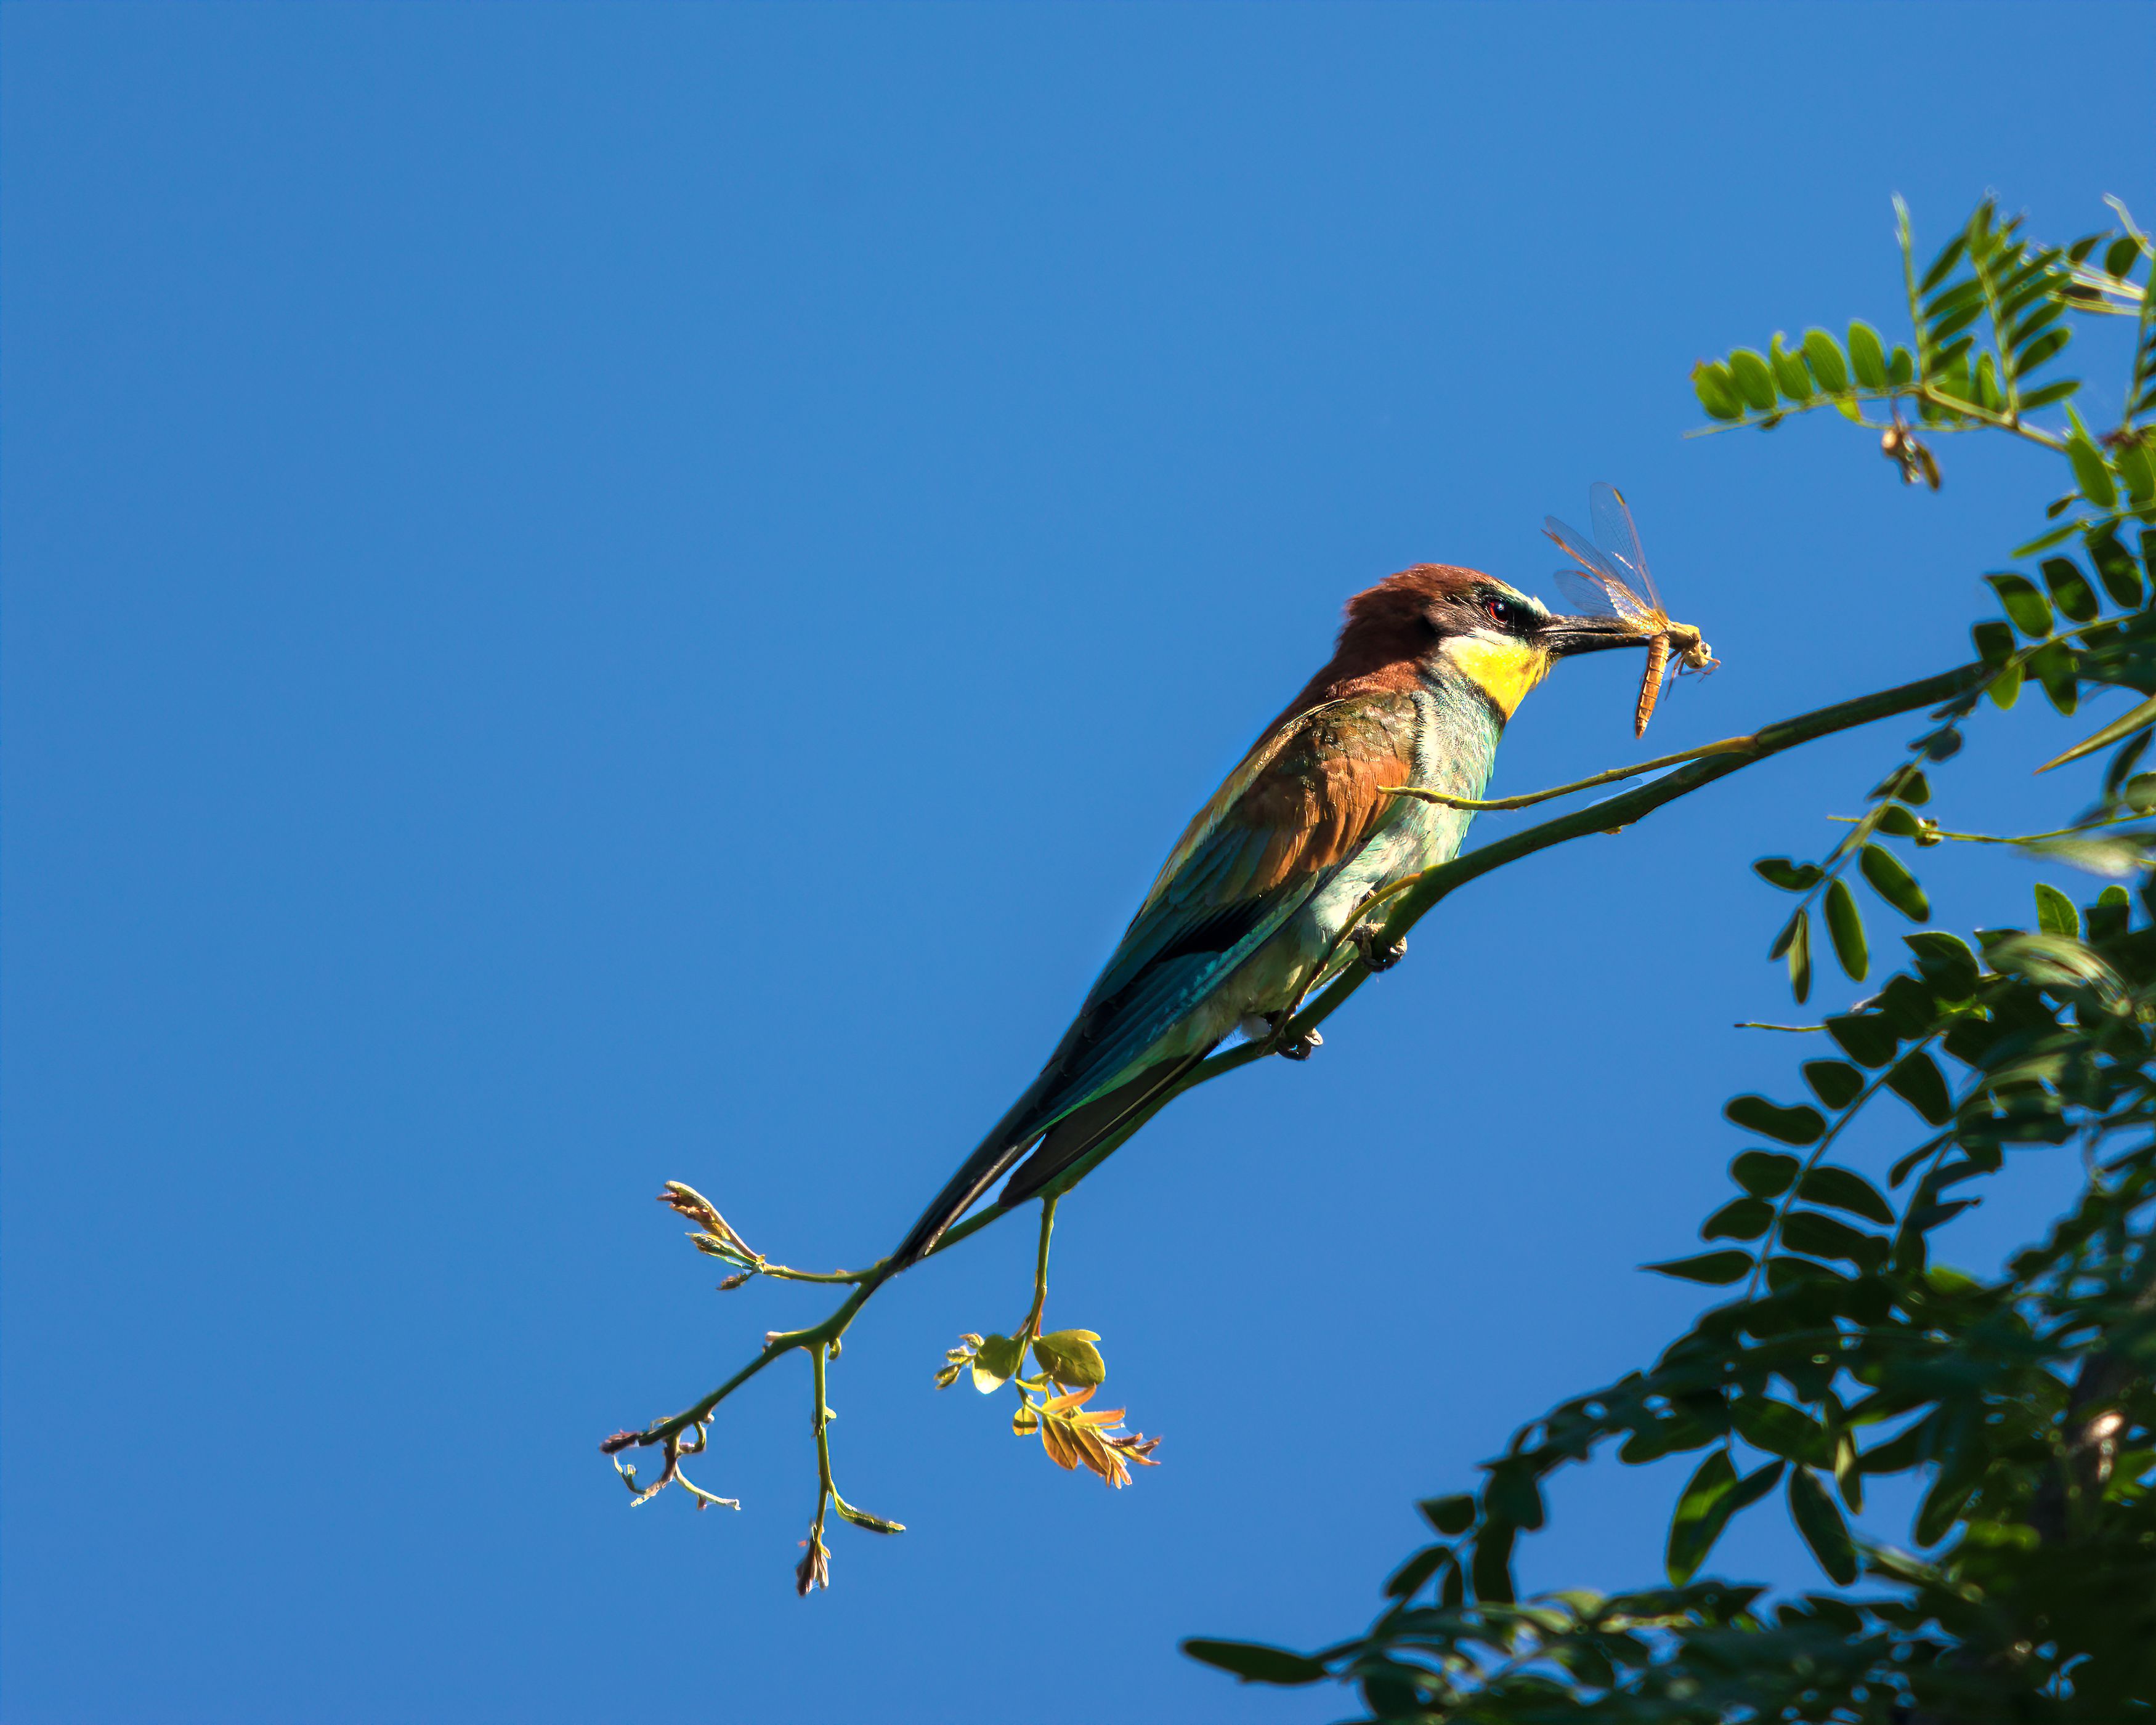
(1505, 669)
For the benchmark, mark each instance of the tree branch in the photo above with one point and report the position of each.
(1407, 906)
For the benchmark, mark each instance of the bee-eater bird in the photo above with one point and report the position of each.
(1249, 911)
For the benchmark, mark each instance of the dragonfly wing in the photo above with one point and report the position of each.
(1585, 592)
(1575, 544)
(1619, 540)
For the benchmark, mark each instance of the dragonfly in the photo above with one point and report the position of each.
(1612, 580)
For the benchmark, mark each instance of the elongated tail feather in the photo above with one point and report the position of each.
(1013, 1136)
(1075, 1137)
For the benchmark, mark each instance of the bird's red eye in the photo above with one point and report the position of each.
(1500, 611)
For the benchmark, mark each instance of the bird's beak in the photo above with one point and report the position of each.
(1564, 636)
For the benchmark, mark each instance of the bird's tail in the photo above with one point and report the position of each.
(1014, 1136)
(1067, 1141)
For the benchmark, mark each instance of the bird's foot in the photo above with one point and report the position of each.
(1377, 953)
(1301, 1047)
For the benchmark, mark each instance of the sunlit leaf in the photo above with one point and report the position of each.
(1069, 1358)
(1790, 376)
(1893, 883)
(2028, 610)
(2056, 913)
(2090, 472)
(1823, 354)
(1716, 390)
(1752, 379)
(1846, 927)
(2139, 718)
(2070, 590)
(1702, 1510)
(994, 1362)
(1790, 877)
(1868, 357)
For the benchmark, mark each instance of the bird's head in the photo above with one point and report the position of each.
(1438, 618)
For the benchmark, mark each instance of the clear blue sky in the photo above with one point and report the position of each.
(599, 594)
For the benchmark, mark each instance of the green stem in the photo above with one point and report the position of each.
(1984, 418)
(1727, 746)
(1031, 1327)
(825, 1490)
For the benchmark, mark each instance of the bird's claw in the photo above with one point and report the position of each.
(1378, 953)
(1302, 1047)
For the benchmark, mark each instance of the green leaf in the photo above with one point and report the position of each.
(2114, 564)
(1900, 368)
(1254, 1662)
(1846, 1189)
(1893, 883)
(1867, 1038)
(1739, 1219)
(862, 1519)
(2139, 718)
(1765, 1174)
(1993, 641)
(1790, 376)
(2045, 346)
(1868, 357)
(994, 1361)
(1823, 354)
(1492, 1564)
(1943, 1506)
(2056, 666)
(1836, 1082)
(1846, 927)
(1717, 1269)
(1779, 1430)
(2090, 474)
(2028, 609)
(1822, 1237)
(2005, 688)
(1949, 255)
(1408, 1578)
(2137, 465)
(1790, 877)
(1917, 1080)
(1800, 956)
(1453, 1513)
(1702, 1511)
(1070, 1359)
(1818, 1519)
(2070, 590)
(1897, 823)
(1716, 390)
(2056, 913)
(1800, 1125)
(1945, 963)
(2119, 255)
(2051, 393)
(1754, 381)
